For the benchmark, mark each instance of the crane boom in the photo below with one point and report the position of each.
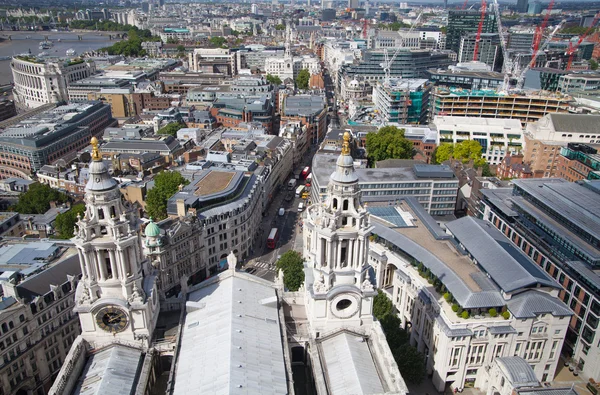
(464, 5)
(573, 49)
(507, 62)
(521, 76)
(539, 30)
(479, 30)
(387, 66)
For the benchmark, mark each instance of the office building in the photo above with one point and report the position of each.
(29, 143)
(310, 111)
(213, 60)
(434, 186)
(466, 296)
(463, 22)
(497, 137)
(466, 79)
(489, 51)
(520, 40)
(534, 8)
(408, 64)
(556, 223)
(526, 107)
(522, 6)
(230, 111)
(580, 83)
(545, 138)
(404, 101)
(38, 81)
(578, 162)
(7, 109)
(37, 323)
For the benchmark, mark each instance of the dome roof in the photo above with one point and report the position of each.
(99, 179)
(344, 171)
(152, 230)
(354, 84)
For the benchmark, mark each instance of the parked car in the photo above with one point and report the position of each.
(281, 212)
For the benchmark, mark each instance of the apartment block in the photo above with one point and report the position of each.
(578, 162)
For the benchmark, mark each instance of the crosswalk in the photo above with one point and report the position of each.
(262, 265)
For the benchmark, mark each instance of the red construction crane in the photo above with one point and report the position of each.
(479, 30)
(539, 30)
(573, 48)
(464, 5)
(365, 27)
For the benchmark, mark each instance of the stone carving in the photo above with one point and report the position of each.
(367, 286)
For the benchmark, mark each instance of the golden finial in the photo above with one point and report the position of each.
(346, 144)
(95, 150)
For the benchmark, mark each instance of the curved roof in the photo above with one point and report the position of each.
(533, 303)
(518, 371)
(152, 230)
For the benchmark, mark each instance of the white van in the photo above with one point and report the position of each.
(281, 212)
(300, 207)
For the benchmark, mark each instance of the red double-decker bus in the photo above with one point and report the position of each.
(273, 238)
(305, 172)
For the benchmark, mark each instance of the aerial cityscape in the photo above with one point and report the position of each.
(299, 197)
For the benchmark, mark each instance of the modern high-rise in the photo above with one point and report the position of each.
(522, 6)
(462, 22)
(489, 50)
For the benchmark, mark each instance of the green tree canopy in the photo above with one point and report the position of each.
(280, 26)
(133, 45)
(464, 151)
(388, 143)
(37, 199)
(593, 64)
(166, 184)
(65, 222)
(217, 41)
(292, 265)
(382, 305)
(273, 79)
(303, 79)
(171, 128)
(411, 363)
(172, 40)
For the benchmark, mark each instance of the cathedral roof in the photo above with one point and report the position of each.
(152, 230)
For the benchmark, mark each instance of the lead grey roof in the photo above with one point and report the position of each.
(572, 201)
(503, 329)
(349, 366)
(533, 303)
(459, 289)
(507, 266)
(575, 123)
(112, 370)
(231, 340)
(548, 391)
(518, 371)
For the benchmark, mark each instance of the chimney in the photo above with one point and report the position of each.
(181, 207)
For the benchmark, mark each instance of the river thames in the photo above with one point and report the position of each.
(23, 42)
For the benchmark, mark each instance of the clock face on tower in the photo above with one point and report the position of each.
(112, 319)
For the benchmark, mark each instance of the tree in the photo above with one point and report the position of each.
(411, 363)
(217, 41)
(388, 143)
(280, 26)
(171, 128)
(37, 199)
(382, 305)
(65, 222)
(172, 40)
(166, 184)
(464, 151)
(302, 79)
(593, 64)
(273, 79)
(291, 264)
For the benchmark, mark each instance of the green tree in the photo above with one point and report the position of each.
(382, 305)
(217, 41)
(280, 26)
(133, 45)
(303, 79)
(291, 264)
(411, 363)
(172, 40)
(388, 143)
(37, 199)
(180, 50)
(464, 151)
(273, 79)
(394, 335)
(171, 128)
(593, 64)
(65, 222)
(166, 184)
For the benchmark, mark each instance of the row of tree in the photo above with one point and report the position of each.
(104, 26)
(133, 45)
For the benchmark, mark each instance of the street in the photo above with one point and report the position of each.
(262, 262)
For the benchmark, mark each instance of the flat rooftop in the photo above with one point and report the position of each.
(214, 182)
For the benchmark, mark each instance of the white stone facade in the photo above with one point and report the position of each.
(38, 82)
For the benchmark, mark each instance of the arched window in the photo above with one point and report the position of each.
(100, 213)
(335, 203)
(345, 205)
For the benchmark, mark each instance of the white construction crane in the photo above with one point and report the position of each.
(507, 67)
(521, 76)
(387, 63)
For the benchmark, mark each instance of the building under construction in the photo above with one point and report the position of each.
(403, 101)
(524, 106)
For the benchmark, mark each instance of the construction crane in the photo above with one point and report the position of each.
(387, 63)
(479, 30)
(507, 64)
(573, 48)
(539, 30)
(464, 5)
(521, 75)
(365, 27)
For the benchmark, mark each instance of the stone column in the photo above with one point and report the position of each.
(113, 264)
(124, 263)
(82, 264)
(100, 265)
